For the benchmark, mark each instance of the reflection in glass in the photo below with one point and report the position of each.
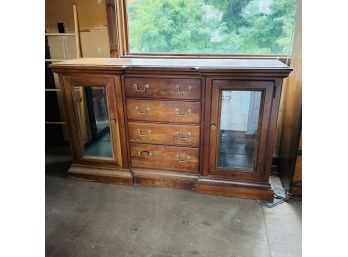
(93, 119)
(239, 129)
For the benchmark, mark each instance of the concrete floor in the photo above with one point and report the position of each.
(93, 219)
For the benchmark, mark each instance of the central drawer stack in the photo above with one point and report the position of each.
(164, 116)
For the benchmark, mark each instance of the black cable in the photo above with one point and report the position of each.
(286, 198)
(281, 199)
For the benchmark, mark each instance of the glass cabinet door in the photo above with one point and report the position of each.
(240, 112)
(239, 129)
(91, 107)
(96, 121)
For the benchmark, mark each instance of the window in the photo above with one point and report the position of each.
(230, 27)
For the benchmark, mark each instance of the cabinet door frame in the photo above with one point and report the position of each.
(113, 90)
(267, 88)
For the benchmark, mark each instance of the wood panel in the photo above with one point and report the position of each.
(182, 159)
(110, 6)
(164, 178)
(121, 122)
(296, 184)
(163, 88)
(164, 111)
(82, 116)
(168, 134)
(242, 189)
(240, 192)
(297, 178)
(292, 120)
(91, 14)
(100, 174)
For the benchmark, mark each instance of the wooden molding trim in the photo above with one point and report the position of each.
(234, 189)
(110, 6)
(104, 175)
(173, 180)
(239, 192)
(164, 178)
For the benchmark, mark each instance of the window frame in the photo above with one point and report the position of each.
(117, 21)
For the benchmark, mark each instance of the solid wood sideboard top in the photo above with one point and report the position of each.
(175, 64)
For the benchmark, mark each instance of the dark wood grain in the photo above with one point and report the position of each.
(164, 111)
(167, 134)
(260, 66)
(242, 189)
(292, 114)
(100, 174)
(164, 178)
(240, 192)
(272, 125)
(112, 30)
(121, 121)
(161, 157)
(163, 88)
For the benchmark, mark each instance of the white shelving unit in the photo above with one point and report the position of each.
(76, 34)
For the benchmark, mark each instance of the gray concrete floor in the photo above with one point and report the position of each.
(94, 219)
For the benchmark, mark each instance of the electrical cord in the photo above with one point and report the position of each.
(279, 198)
(286, 198)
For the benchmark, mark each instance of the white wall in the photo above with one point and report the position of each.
(240, 110)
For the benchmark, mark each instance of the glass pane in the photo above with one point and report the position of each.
(93, 120)
(211, 26)
(239, 129)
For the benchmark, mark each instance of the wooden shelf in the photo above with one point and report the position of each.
(52, 89)
(60, 34)
(55, 123)
(56, 60)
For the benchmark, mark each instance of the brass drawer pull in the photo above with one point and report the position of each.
(183, 113)
(144, 154)
(144, 112)
(188, 89)
(180, 136)
(179, 159)
(146, 86)
(145, 134)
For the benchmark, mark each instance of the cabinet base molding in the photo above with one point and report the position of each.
(104, 175)
(212, 186)
(164, 178)
(235, 189)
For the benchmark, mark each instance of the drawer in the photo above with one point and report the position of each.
(182, 159)
(166, 111)
(163, 88)
(164, 134)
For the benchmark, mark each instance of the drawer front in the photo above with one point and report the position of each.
(182, 159)
(166, 111)
(164, 134)
(163, 88)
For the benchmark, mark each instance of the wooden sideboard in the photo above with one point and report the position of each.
(202, 124)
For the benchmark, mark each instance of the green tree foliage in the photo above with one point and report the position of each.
(211, 26)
